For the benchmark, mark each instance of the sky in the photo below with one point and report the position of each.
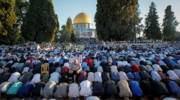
(70, 8)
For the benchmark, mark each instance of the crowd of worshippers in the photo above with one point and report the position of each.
(94, 73)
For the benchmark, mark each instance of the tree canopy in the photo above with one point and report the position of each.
(152, 29)
(116, 19)
(67, 32)
(9, 32)
(169, 25)
(40, 23)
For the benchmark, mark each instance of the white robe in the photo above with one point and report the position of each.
(114, 69)
(92, 98)
(97, 77)
(122, 76)
(54, 77)
(156, 67)
(172, 75)
(26, 69)
(14, 77)
(155, 76)
(91, 76)
(85, 88)
(36, 78)
(177, 71)
(99, 69)
(73, 90)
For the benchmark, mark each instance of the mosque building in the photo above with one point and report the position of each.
(82, 24)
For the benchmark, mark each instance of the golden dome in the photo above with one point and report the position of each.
(82, 18)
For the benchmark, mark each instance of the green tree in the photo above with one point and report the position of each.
(21, 10)
(100, 19)
(135, 26)
(69, 26)
(67, 32)
(57, 30)
(9, 32)
(65, 37)
(116, 19)
(70, 30)
(177, 36)
(73, 38)
(152, 29)
(40, 23)
(169, 25)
